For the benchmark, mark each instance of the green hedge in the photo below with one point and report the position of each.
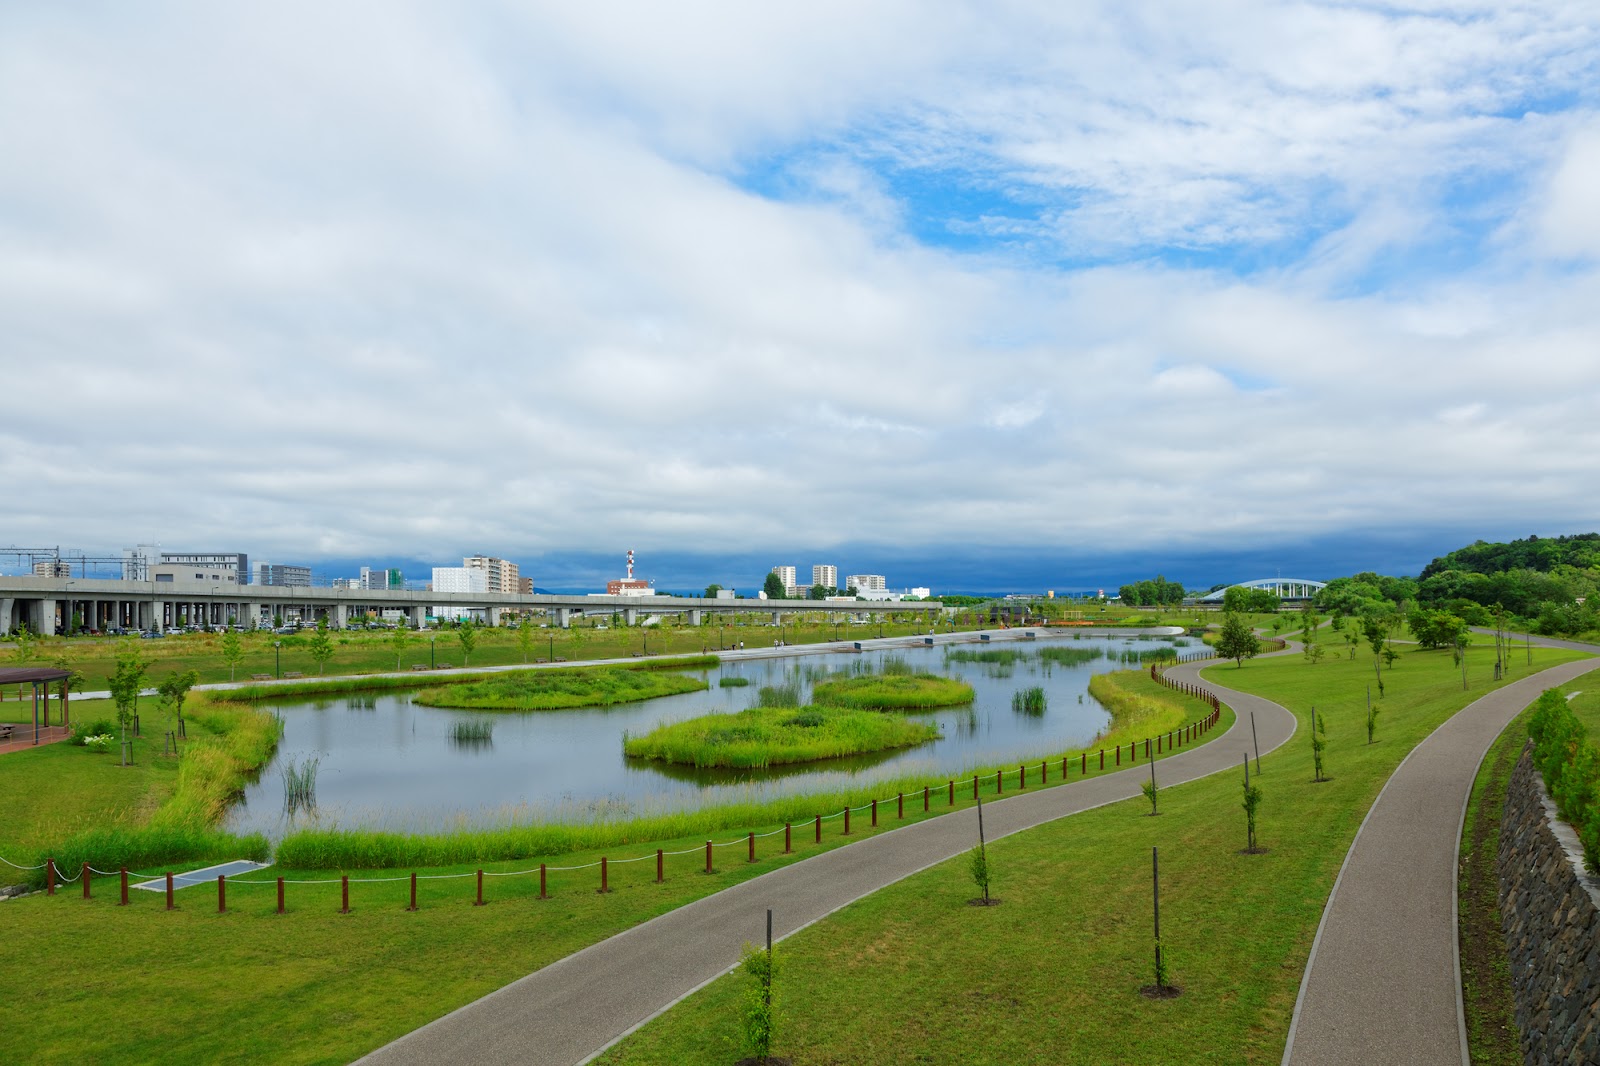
(1570, 764)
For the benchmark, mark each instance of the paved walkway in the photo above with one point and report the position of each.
(1383, 983)
(576, 1007)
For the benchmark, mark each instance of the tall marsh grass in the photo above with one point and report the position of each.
(553, 689)
(1028, 701)
(785, 694)
(1059, 656)
(472, 733)
(899, 692)
(299, 786)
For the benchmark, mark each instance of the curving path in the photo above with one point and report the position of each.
(574, 1008)
(1383, 982)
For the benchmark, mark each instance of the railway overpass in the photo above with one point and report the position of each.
(47, 605)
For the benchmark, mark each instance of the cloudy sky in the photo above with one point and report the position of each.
(1009, 281)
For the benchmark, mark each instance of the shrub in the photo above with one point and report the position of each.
(1570, 765)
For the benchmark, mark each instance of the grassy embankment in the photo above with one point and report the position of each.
(908, 974)
(77, 804)
(773, 736)
(1485, 967)
(318, 986)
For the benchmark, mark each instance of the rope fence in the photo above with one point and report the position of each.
(1153, 747)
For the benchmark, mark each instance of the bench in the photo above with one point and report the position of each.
(561, 658)
(260, 677)
(442, 666)
(5, 732)
(418, 666)
(293, 673)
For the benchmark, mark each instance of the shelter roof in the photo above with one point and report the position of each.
(21, 675)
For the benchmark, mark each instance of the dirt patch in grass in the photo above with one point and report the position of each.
(1161, 991)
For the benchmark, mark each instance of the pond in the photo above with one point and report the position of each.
(384, 762)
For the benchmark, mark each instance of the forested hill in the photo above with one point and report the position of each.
(1582, 551)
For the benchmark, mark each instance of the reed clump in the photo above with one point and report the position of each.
(471, 733)
(1028, 701)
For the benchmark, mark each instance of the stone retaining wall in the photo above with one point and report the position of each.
(1550, 911)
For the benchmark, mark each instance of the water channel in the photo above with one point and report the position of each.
(384, 762)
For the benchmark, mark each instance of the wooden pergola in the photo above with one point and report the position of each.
(41, 678)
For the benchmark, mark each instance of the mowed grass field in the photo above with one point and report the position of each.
(912, 974)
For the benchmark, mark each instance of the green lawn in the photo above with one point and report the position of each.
(58, 790)
(913, 974)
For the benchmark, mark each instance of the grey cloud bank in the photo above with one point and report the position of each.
(387, 281)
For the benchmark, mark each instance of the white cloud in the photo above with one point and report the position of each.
(381, 280)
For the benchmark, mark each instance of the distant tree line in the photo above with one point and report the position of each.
(1157, 593)
(1551, 583)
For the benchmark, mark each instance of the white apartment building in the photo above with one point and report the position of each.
(865, 583)
(459, 579)
(786, 574)
(823, 574)
(500, 575)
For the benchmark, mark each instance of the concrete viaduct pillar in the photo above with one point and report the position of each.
(777, 618)
(494, 616)
(341, 616)
(6, 604)
(418, 615)
(630, 616)
(564, 617)
(47, 618)
(695, 616)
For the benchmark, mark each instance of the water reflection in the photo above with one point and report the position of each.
(386, 762)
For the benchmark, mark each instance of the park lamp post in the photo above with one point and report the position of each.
(431, 638)
(277, 657)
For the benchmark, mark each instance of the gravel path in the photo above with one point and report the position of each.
(1383, 983)
(572, 1009)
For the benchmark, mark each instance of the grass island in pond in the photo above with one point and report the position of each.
(772, 736)
(543, 690)
(892, 692)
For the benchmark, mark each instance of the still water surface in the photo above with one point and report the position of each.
(385, 762)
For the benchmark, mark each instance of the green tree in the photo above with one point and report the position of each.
(1319, 742)
(468, 636)
(711, 591)
(760, 1001)
(525, 638)
(125, 681)
(773, 587)
(1252, 801)
(174, 689)
(1375, 628)
(320, 647)
(232, 652)
(23, 647)
(1236, 641)
(400, 638)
